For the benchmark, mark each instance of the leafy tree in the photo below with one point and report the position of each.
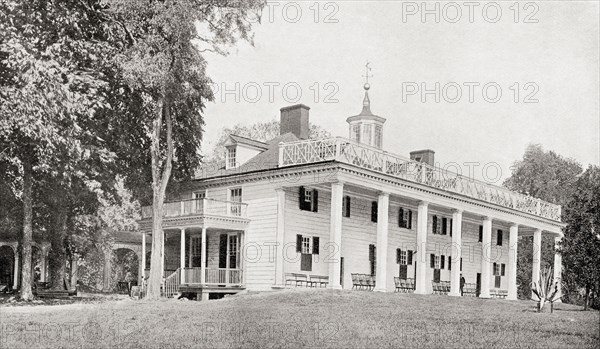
(163, 64)
(547, 176)
(580, 247)
(48, 91)
(259, 131)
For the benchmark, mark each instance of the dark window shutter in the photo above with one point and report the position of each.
(374, 211)
(401, 218)
(449, 262)
(347, 206)
(409, 219)
(499, 239)
(442, 262)
(450, 226)
(461, 264)
(432, 260)
(503, 267)
(398, 252)
(497, 282)
(403, 274)
(444, 226)
(372, 258)
(223, 251)
(315, 245)
(494, 269)
(298, 243)
(409, 257)
(434, 225)
(315, 203)
(481, 233)
(301, 198)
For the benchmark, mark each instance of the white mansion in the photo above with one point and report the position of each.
(294, 210)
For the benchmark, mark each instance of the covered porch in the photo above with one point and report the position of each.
(201, 254)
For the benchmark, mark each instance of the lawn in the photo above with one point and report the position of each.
(300, 318)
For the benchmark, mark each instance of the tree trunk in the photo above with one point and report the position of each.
(587, 298)
(160, 178)
(58, 255)
(26, 293)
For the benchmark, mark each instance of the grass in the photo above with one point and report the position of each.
(300, 318)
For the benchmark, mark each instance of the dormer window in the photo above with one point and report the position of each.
(231, 163)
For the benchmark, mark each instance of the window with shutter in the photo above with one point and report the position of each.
(449, 262)
(503, 269)
(480, 233)
(374, 211)
(315, 200)
(398, 255)
(409, 257)
(432, 260)
(409, 219)
(299, 243)
(499, 238)
(434, 225)
(450, 226)
(460, 264)
(443, 262)
(315, 246)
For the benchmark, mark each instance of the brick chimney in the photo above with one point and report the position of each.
(426, 156)
(294, 119)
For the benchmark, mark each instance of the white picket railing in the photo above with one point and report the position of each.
(171, 284)
(350, 152)
(214, 276)
(200, 206)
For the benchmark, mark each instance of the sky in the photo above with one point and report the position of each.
(506, 74)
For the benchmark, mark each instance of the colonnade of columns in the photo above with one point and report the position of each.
(421, 282)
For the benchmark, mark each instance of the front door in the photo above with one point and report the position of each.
(229, 258)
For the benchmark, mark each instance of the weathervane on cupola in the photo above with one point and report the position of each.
(367, 128)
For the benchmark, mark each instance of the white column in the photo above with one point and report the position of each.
(242, 243)
(383, 205)
(536, 258)
(190, 251)
(143, 273)
(456, 253)
(182, 256)
(280, 237)
(16, 269)
(512, 262)
(335, 234)
(486, 263)
(421, 282)
(203, 258)
(558, 265)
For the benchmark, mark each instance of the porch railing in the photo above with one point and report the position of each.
(214, 276)
(200, 207)
(347, 151)
(171, 284)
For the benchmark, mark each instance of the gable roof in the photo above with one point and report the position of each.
(247, 141)
(267, 159)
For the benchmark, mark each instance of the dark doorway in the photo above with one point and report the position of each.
(478, 285)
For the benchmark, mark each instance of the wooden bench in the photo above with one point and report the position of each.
(404, 285)
(442, 287)
(363, 281)
(498, 293)
(296, 279)
(318, 281)
(470, 289)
